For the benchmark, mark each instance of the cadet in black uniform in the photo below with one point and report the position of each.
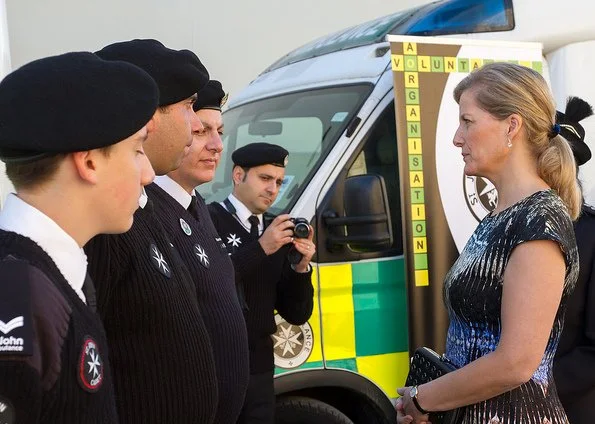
(161, 355)
(72, 129)
(186, 218)
(574, 364)
(265, 277)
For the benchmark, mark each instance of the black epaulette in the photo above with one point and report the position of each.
(588, 210)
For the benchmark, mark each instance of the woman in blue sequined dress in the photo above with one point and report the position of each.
(506, 293)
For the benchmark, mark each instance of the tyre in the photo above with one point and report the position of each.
(303, 410)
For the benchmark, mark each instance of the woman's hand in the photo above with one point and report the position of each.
(407, 411)
(401, 417)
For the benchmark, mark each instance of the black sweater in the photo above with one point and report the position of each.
(574, 363)
(162, 360)
(268, 283)
(213, 274)
(62, 373)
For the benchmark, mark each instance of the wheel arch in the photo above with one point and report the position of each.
(338, 387)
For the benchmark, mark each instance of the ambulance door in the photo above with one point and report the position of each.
(362, 288)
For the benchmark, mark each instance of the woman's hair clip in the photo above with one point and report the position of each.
(555, 130)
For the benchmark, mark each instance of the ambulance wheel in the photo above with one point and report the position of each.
(303, 410)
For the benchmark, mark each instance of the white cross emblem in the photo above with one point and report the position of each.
(233, 240)
(202, 255)
(94, 363)
(159, 261)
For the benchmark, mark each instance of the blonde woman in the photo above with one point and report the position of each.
(506, 293)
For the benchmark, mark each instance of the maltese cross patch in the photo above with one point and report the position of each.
(203, 258)
(90, 370)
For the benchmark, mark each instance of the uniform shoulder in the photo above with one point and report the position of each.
(588, 210)
(24, 288)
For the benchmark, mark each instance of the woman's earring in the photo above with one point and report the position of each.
(509, 142)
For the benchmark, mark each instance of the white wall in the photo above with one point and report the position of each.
(236, 39)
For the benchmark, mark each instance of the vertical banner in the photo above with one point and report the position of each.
(441, 205)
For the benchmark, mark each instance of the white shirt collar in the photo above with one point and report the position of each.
(174, 189)
(19, 217)
(243, 213)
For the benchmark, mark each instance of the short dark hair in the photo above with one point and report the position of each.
(27, 175)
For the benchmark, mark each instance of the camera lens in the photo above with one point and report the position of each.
(301, 230)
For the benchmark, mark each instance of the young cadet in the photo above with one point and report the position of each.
(78, 168)
(161, 355)
(265, 276)
(186, 218)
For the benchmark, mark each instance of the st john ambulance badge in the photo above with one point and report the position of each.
(185, 227)
(90, 369)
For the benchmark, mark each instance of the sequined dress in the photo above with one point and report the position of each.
(473, 296)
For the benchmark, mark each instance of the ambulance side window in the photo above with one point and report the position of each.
(379, 156)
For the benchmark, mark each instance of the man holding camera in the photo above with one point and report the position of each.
(261, 254)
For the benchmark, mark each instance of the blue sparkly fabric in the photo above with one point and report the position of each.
(473, 297)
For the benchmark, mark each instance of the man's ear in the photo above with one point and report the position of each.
(515, 123)
(237, 174)
(85, 164)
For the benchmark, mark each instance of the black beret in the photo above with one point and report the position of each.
(72, 102)
(211, 96)
(576, 110)
(257, 154)
(179, 73)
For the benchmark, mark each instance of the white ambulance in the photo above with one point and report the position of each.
(331, 104)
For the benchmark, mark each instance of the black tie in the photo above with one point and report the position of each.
(253, 220)
(193, 208)
(89, 292)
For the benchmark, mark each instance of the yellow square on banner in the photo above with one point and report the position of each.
(420, 245)
(416, 179)
(412, 113)
(336, 303)
(450, 64)
(475, 64)
(411, 80)
(525, 63)
(421, 278)
(418, 212)
(396, 61)
(423, 64)
(389, 371)
(409, 48)
(414, 146)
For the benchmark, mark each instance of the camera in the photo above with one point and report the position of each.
(302, 227)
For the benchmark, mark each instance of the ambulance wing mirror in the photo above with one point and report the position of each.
(366, 222)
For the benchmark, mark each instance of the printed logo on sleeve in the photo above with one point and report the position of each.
(11, 343)
(90, 366)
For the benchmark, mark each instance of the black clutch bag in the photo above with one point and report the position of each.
(427, 365)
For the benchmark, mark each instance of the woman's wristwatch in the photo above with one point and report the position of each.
(413, 396)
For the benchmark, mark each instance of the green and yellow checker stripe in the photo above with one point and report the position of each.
(364, 321)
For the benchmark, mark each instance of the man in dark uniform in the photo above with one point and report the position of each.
(161, 355)
(264, 275)
(186, 218)
(574, 364)
(78, 169)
